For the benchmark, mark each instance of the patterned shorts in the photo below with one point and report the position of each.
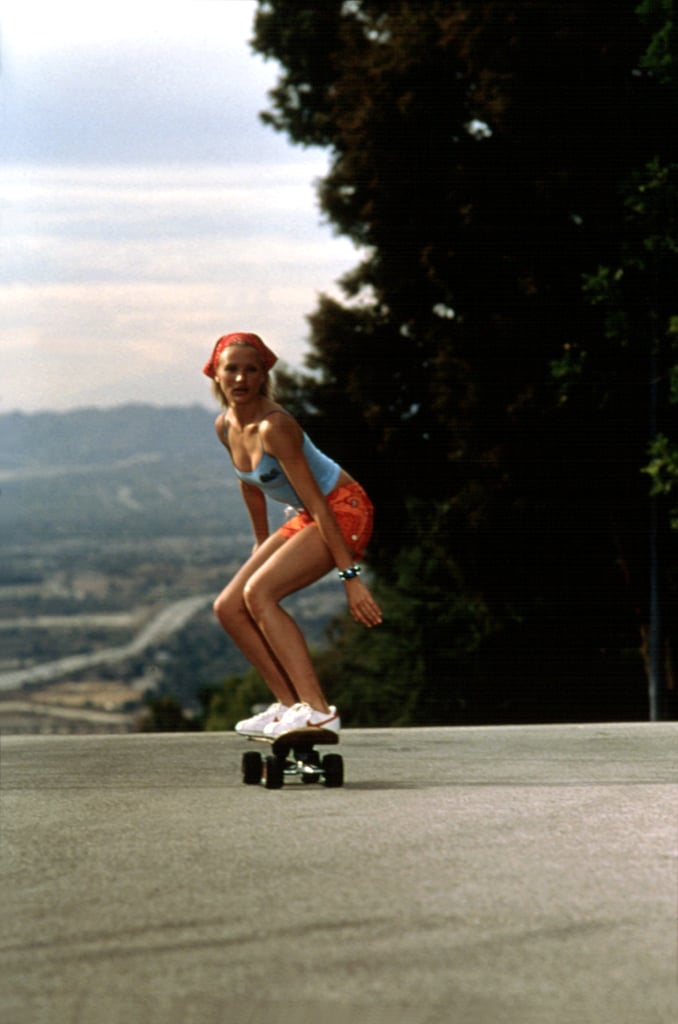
(353, 511)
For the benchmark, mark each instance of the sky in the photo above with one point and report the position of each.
(145, 210)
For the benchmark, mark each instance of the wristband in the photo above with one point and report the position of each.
(349, 574)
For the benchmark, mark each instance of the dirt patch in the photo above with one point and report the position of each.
(94, 695)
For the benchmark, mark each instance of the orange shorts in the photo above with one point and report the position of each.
(353, 511)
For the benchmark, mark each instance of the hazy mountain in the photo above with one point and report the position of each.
(136, 470)
(125, 511)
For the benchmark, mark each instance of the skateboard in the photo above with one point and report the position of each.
(293, 755)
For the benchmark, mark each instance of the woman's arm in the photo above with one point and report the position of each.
(284, 441)
(255, 502)
(254, 499)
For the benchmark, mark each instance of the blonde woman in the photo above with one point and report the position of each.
(272, 456)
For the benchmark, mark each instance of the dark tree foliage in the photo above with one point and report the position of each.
(482, 158)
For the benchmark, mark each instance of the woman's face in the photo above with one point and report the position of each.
(240, 374)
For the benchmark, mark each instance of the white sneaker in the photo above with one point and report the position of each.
(303, 716)
(255, 726)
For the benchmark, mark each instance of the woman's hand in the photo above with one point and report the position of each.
(362, 605)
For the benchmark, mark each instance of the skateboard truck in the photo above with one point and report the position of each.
(293, 756)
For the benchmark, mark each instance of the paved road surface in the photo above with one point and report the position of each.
(480, 876)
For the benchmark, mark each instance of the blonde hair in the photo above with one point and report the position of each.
(266, 389)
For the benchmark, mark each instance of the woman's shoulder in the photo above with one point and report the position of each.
(277, 418)
(272, 425)
(221, 428)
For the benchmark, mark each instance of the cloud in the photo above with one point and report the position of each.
(57, 213)
(171, 82)
(146, 209)
(116, 282)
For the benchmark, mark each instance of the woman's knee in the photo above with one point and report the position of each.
(227, 607)
(254, 598)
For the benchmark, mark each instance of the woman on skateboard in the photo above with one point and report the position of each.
(332, 524)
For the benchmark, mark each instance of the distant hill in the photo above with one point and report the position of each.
(132, 511)
(134, 470)
(102, 435)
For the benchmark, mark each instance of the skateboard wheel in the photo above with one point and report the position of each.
(333, 769)
(275, 767)
(312, 759)
(252, 768)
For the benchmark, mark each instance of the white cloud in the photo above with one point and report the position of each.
(60, 222)
(41, 26)
(121, 83)
(146, 210)
(142, 269)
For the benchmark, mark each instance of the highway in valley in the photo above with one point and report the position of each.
(170, 619)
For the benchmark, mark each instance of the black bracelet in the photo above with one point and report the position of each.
(350, 573)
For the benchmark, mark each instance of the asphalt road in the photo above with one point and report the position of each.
(484, 876)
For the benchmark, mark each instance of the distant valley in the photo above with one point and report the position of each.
(138, 470)
(108, 517)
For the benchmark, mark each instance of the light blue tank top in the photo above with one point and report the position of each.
(270, 478)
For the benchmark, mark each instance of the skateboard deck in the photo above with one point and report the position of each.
(300, 739)
(293, 754)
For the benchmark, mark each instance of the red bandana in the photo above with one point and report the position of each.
(268, 358)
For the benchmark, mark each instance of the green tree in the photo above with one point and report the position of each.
(654, 203)
(637, 296)
(233, 700)
(480, 155)
(164, 713)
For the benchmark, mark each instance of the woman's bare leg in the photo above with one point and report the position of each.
(232, 613)
(302, 560)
